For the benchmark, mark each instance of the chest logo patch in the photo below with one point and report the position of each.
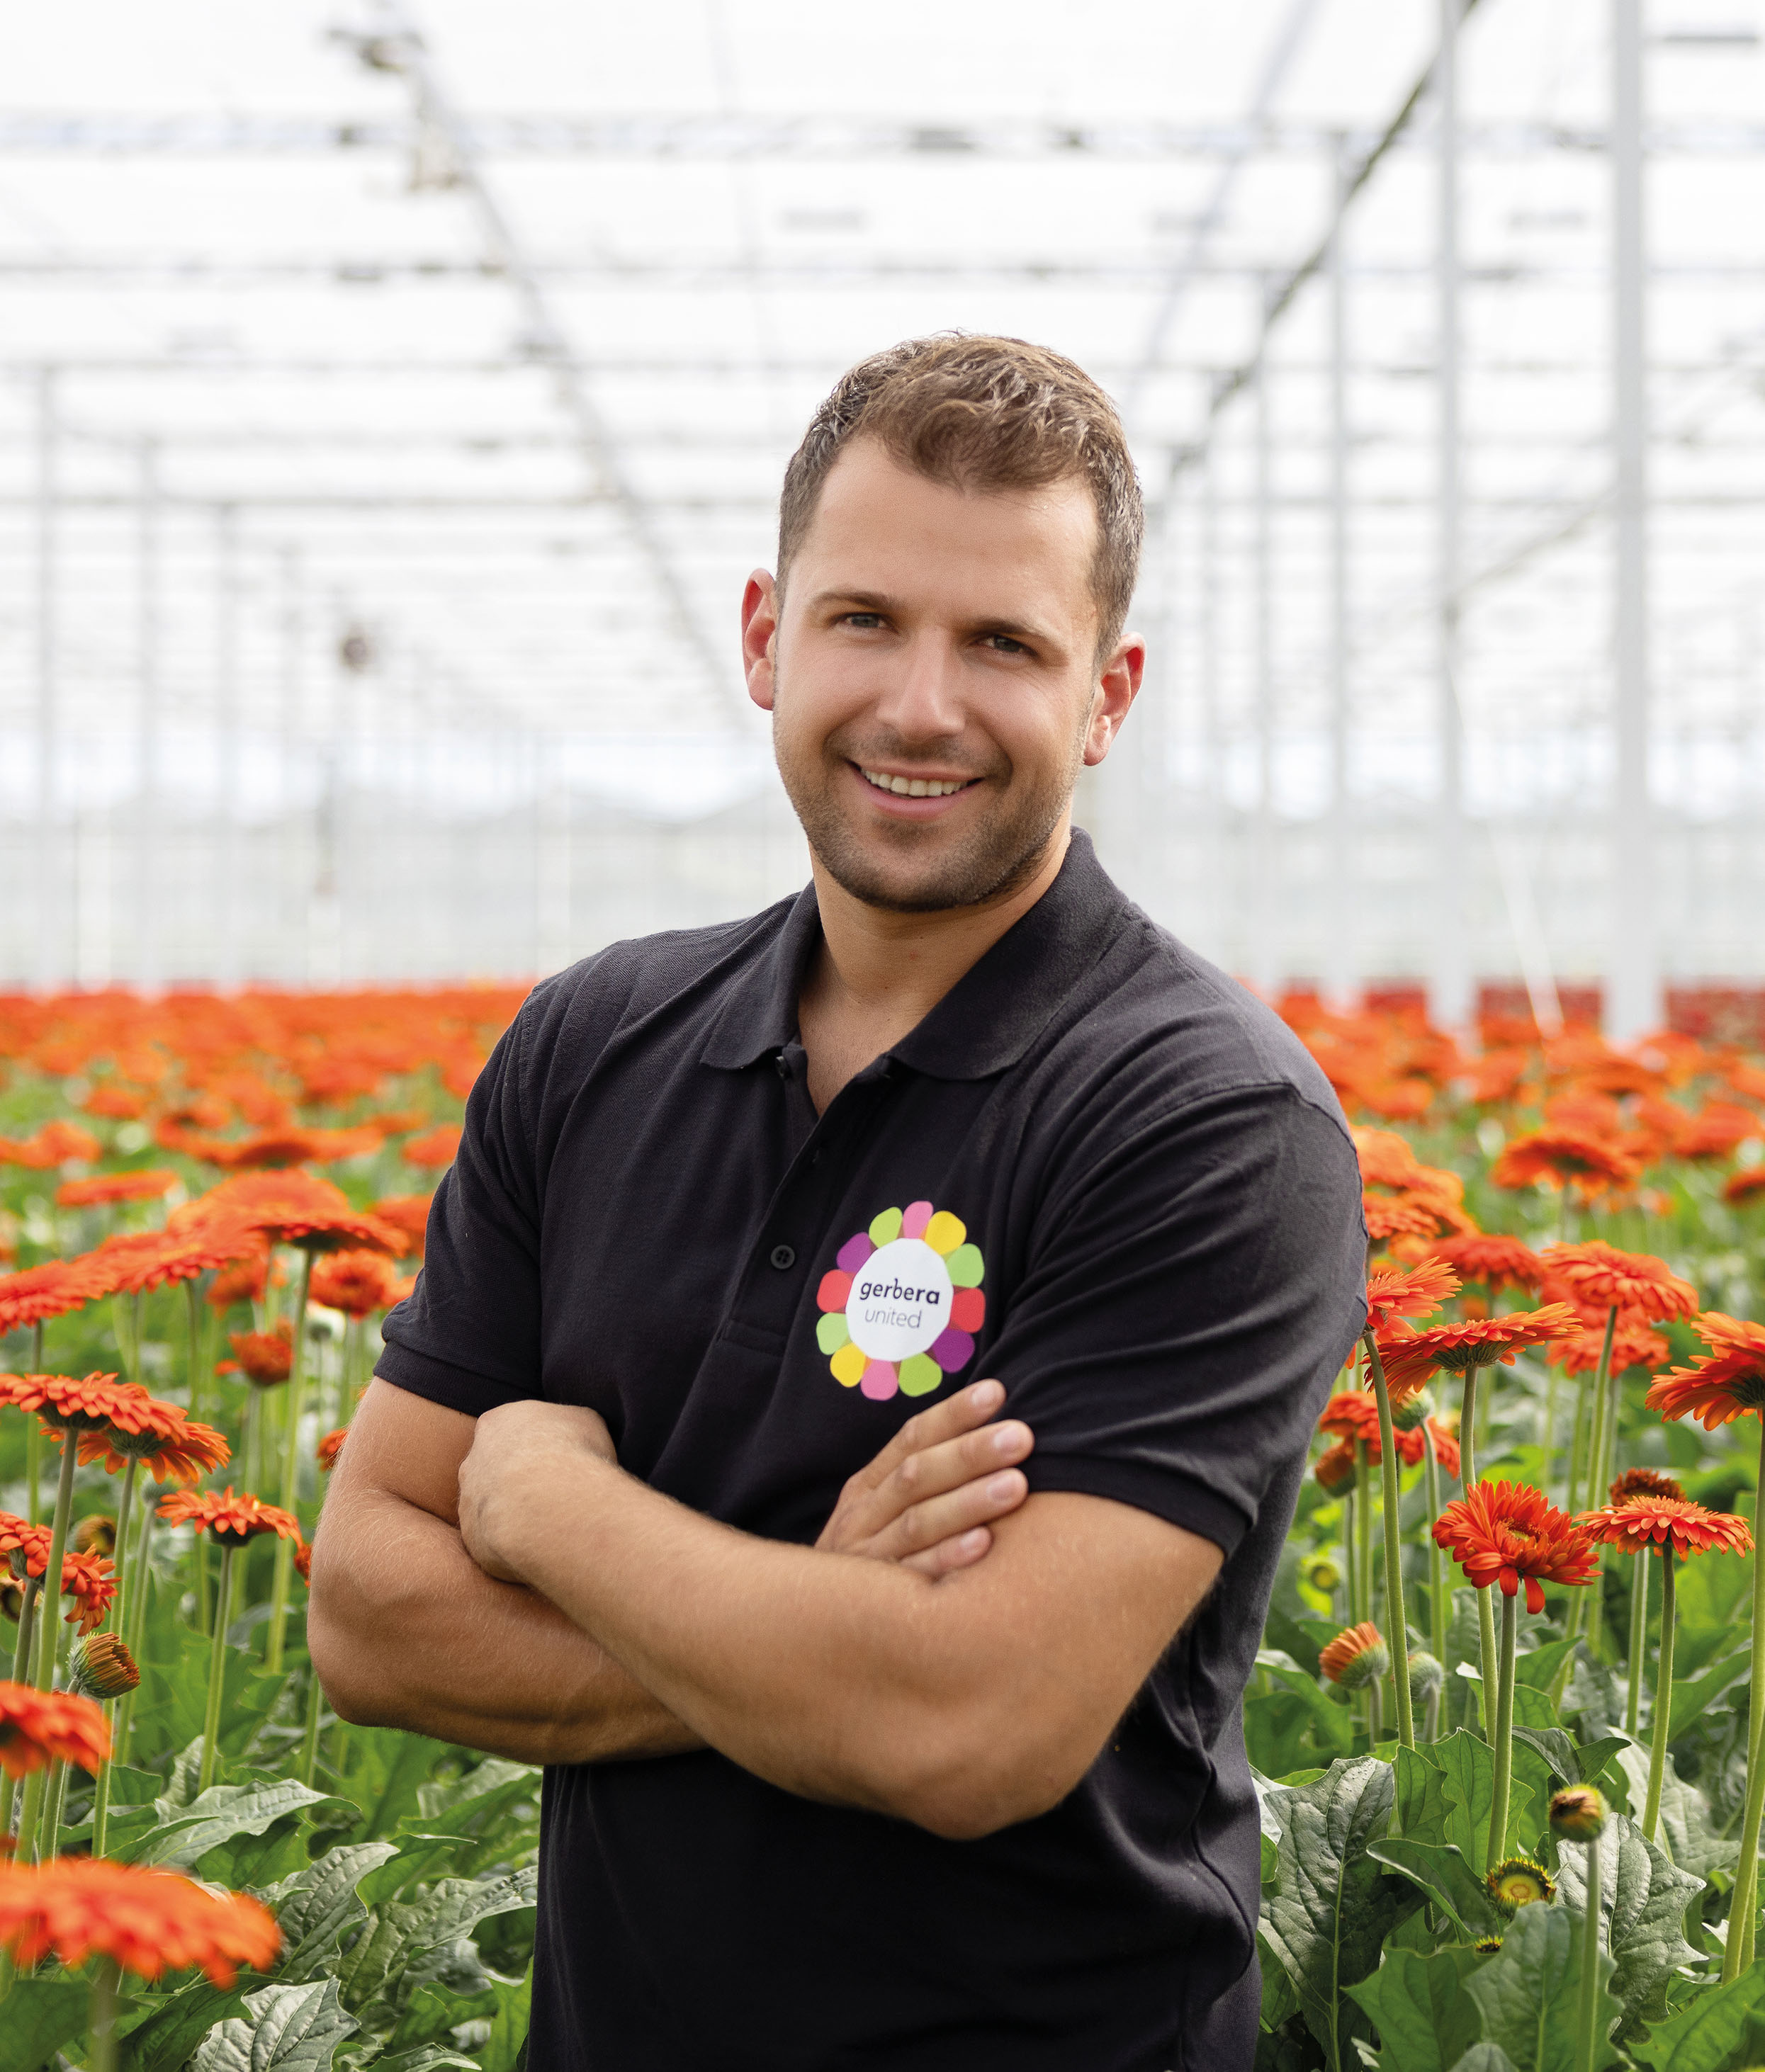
(901, 1305)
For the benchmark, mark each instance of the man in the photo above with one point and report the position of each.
(879, 1734)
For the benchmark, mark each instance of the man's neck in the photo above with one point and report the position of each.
(878, 973)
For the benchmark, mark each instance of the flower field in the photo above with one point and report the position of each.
(1503, 1722)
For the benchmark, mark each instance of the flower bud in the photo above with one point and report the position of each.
(1486, 1945)
(1356, 1657)
(1517, 1881)
(1406, 1417)
(96, 1535)
(1426, 1676)
(103, 1667)
(1577, 1814)
(1323, 1574)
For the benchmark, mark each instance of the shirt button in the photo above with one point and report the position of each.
(783, 1257)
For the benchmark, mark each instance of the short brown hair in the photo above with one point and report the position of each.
(982, 414)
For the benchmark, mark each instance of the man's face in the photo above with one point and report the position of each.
(933, 680)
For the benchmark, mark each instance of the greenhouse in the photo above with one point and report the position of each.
(401, 411)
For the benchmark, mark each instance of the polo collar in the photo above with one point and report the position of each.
(987, 1020)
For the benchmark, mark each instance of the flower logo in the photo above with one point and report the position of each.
(901, 1305)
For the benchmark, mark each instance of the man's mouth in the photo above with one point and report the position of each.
(915, 787)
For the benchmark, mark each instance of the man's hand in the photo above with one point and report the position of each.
(927, 1500)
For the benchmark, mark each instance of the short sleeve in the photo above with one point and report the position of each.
(468, 1337)
(1189, 1299)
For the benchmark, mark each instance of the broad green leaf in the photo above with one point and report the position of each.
(1710, 1601)
(1695, 1694)
(1533, 1708)
(385, 1774)
(1463, 1649)
(158, 2035)
(188, 1832)
(1537, 1671)
(509, 2025)
(314, 1907)
(1283, 1631)
(1468, 1768)
(1279, 1999)
(1710, 2034)
(1421, 1807)
(1642, 1903)
(1528, 1992)
(174, 1692)
(1331, 1906)
(1279, 1732)
(1485, 2057)
(37, 2017)
(420, 1859)
(477, 1808)
(1439, 1871)
(426, 2057)
(384, 1963)
(1425, 2019)
(1686, 1829)
(286, 2028)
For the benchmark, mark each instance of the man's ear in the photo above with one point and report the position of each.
(759, 637)
(1118, 686)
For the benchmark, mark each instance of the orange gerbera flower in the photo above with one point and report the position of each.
(1388, 1218)
(1335, 1466)
(264, 1357)
(1600, 1275)
(25, 1546)
(134, 1261)
(243, 1281)
(1633, 1345)
(1644, 1482)
(1351, 1414)
(37, 1726)
(358, 1283)
(84, 1404)
(435, 1147)
(1445, 1445)
(39, 1292)
(1356, 1655)
(144, 1185)
(331, 1446)
(228, 1519)
(286, 1208)
(1564, 1158)
(1740, 1188)
(185, 1453)
(1392, 1292)
(1493, 1259)
(303, 1560)
(91, 1581)
(408, 1213)
(1650, 1522)
(1727, 1383)
(147, 1921)
(1411, 1356)
(1507, 1533)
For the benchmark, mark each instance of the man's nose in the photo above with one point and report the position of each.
(922, 701)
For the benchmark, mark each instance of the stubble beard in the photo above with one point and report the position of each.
(1001, 853)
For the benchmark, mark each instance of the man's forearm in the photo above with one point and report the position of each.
(406, 1630)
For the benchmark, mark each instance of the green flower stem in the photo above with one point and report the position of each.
(290, 1473)
(309, 1741)
(1587, 2030)
(30, 1590)
(55, 1798)
(1572, 1502)
(58, 1546)
(101, 1795)
(217, 1667)
(1596, 1463)
(1363, 1529)
(1437, 1558)
(1351, 1567)
(1485, 1617)
(1397, 1612)
(33, 1444)
(115, 1619)
(141, 1569)
(102, 2056)
(1547, 1438)
(1663, 1696)
(1505, 1731)
(1743, 1911)
(1638, 1639)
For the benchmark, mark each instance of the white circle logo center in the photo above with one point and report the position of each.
(900, 1300)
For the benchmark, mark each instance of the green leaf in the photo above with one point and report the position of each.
(509, 2024)
(187, 1833)
(1485, 2057)
(1537, 1671)
(1528, 1992)
(1331, 1905)
(1439, 1870)
(1422, 1806)
(1686, 1829)
(314, 1907)
(37, 2017)
(1709, 2036)
(1642, 1903)
(386, 1771)
(159, 2035)
(1695, 1694)
(1425, 2019)
(381, 1968)
(1468, 1767)
(288, 2028)
(1280, 2002)
(173, 1691)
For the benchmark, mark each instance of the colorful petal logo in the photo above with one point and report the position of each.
(903, 1304)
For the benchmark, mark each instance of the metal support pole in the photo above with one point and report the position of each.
(148, 834)
(1633, 998)
(1451, 976)
(48, 874)
(1340, 972)
(1263, 957)
(227, 746)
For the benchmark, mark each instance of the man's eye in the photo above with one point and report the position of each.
(864, 618)
(1002, 643)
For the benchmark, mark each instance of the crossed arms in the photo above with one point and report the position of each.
(950, 1651)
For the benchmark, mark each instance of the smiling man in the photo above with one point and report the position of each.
(881, 1730)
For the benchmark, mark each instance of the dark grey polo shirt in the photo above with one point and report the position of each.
(1099, 1170)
